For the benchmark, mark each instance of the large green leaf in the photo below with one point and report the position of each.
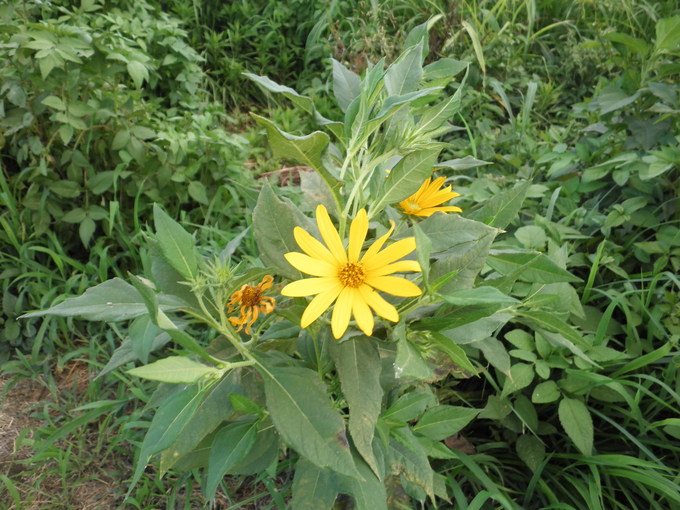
(368, 493)
(177, 245)
(407, 457)
(302, 413)
(409, 363)
(113, 300)
(346, 85)
(443, 421)
(530, 267)
(273, 222)
(230, 446)
(358, 364)
(667, 34)
(405, 178)
(502, 209)
(306, 150)
(462, 246)
(174, 369)
(303, 102)
(314, 488)
(577, 423)
(408, 407)
(403, 75)
(166, 425)
(477, 296)
(211, 412)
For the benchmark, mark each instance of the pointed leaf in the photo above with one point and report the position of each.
(358, 364)
(230, 446)
(443, 421)
(346, 85)
(313, 487)
(174, 369)
(177, 245)
(303, 102)
(577, 423)
(403, 74)
(503, 208)
(298, 403)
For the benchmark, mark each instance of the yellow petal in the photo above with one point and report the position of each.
(377, 245)
(378, 304)
(390, 254)
(319, 305)
(357, 235)
(342, 311)
(398, 267)
(362, 313)
(330, 234)
(395, 286)
(308, 265)
(308, 287)
(431, 210)
(312, 246)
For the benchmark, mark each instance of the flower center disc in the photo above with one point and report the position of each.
(351, 275)
(251, 296)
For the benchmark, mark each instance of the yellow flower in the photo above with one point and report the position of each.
(344, 276)
(426, 201)
(250, 301)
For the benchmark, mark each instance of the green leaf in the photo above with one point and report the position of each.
(167, 423)
(444, 68)
(138, 72)
(530, 267)
(405, 178)
(302, 413)
(54, 102)
(409, 363)
(214, 409)
(667, 34)
(477, 296)
(545, 392)
(306, 150)
(120, 140)
(113, 300)
(462, 245)
(230, 446)
(143, 333)
(455, 353)
(346, 85)
(495, 353)
(177, 245)
(273, 222)
(521, 375)
(85, 230)
(577, 423)
(407, 457)
(409, 407)
(443, 421)
(532, 237)
(174, 369)
(368, 493)
(266, 83)
(403, 75)
(531, 450)
(358, 364)
(313, 488)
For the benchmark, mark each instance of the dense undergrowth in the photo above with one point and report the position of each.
(105, 111)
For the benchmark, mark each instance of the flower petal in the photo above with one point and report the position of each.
(377, 245)
(398, 267)
(390, 254)
(357, 235)
(330, 234)
(308, 287)
(378, 304)
(309, 265)
(319, 305)
(395, 286)
(342, 311)
(312, 246)
(362, 313)
(431, 210)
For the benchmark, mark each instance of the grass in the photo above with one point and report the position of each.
(68, 438)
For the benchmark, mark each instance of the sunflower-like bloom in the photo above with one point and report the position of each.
(251, 303)
(426, 201)
(345, 276)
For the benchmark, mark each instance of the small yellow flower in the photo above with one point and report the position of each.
(344, 276)
(426, 201)
(250, 301)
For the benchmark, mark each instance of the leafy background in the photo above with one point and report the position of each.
(108, 109)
